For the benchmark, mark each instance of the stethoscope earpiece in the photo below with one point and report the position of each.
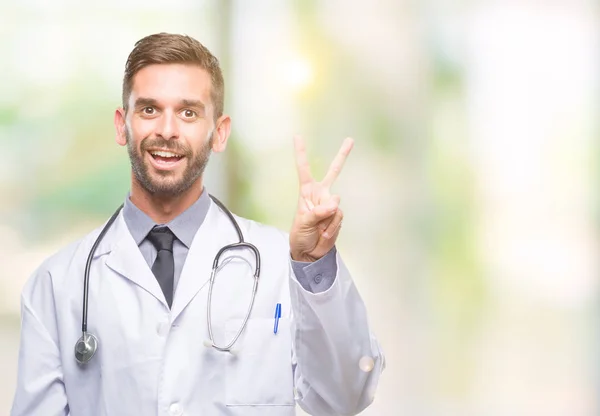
(86, 348)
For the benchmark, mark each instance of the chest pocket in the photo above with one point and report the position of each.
(259, 373)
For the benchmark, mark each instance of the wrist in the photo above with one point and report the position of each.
(303, 257)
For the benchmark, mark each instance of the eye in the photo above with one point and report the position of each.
(148, 111)
(189, 113)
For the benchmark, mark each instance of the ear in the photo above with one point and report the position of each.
(221, 133)
(121, 137)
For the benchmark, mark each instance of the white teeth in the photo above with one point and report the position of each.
(162, 153)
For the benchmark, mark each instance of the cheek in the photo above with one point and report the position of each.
(140, 129)
(134, 140)
(196, 135)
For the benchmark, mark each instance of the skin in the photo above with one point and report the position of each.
(318, 218)
(170, 108)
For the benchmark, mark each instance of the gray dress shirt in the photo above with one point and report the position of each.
(314, 277)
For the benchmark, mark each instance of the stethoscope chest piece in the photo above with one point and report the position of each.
(85, 348)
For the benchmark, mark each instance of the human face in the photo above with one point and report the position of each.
(169, 127)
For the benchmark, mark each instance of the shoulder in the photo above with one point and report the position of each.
(260, 229)
(56, 268)
(264, 236)
(272, 244)
(254, 228)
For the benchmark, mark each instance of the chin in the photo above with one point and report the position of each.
(170, 187)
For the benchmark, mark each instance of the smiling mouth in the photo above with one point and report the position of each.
(164, 157)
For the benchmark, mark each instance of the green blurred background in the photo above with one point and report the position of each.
(470, 198)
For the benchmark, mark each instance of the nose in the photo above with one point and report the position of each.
(167, 127)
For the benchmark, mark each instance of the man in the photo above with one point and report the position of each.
(162, 332)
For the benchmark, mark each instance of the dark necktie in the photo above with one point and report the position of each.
(164, 265)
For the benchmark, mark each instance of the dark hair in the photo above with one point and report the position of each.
(166, 48)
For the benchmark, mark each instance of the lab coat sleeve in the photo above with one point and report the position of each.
(330, 336)
(317, 276)
(40, 389)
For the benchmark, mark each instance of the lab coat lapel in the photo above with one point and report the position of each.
(126, 259)
(209, 238)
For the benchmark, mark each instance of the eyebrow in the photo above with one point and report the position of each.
(151, 102)
(193, 103)
(143, 102)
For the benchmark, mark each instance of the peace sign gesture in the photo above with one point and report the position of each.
(318, 217)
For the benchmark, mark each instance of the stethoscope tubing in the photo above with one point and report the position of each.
(86, 346)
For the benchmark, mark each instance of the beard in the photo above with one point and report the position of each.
(167, 183)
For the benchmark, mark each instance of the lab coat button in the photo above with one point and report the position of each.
(318, 278)
(175, 409)
(162, 329)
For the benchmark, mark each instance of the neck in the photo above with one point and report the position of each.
(164, 208)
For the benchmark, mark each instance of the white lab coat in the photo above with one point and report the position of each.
(152, 360)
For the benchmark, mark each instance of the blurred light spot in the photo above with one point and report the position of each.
(366, 364)
(298, 73)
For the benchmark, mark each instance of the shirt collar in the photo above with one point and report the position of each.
(184, 226)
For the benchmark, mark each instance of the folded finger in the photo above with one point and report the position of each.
(334, 225)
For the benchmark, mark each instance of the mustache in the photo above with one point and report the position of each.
(173, 145)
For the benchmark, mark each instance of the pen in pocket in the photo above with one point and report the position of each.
(277, 316)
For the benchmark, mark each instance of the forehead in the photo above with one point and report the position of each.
(172, 83)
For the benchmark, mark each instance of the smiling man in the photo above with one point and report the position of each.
(284, 323)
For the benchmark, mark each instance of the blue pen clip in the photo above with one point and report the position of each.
(277, 316)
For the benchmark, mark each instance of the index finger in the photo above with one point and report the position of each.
(304, 175)
(338, 162)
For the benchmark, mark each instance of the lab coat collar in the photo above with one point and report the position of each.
(125, 258)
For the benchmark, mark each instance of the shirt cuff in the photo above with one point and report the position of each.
(318, 276)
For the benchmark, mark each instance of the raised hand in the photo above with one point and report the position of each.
(318, 217)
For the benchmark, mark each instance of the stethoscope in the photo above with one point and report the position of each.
(87, 345)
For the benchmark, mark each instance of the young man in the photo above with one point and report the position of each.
(158, 335)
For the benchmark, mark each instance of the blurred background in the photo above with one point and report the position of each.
(471, 197)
